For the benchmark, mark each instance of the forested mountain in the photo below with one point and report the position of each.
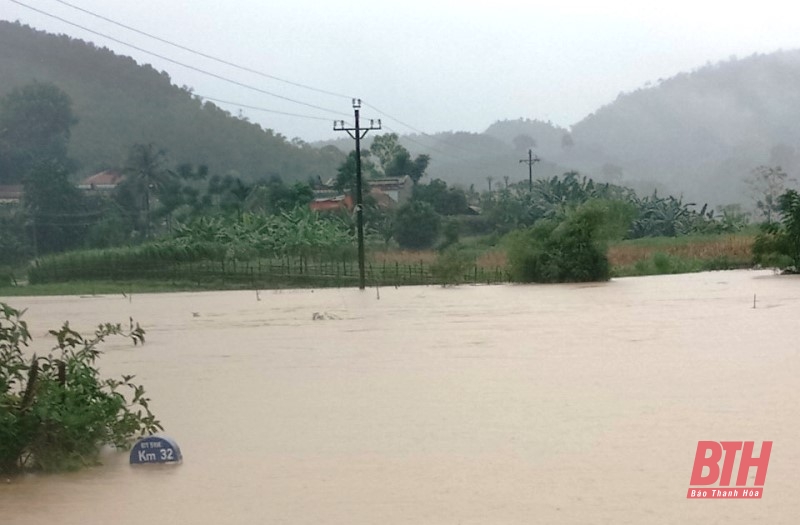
(119, 103)
(702, 133)
(699, 134)
(464, 159)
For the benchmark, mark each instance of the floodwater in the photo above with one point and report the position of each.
(427, 405)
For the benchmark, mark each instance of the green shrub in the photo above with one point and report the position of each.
(56, 412)
(662, 263)
(452, 266)
(779, 245)
(450, 233)
(572, 249)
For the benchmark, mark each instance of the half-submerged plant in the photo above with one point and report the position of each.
(56, 412)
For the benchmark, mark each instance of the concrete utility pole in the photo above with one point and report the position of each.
(530, 161)
(358, 133)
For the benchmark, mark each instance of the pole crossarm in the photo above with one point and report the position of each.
(530, 161)
(357, 133)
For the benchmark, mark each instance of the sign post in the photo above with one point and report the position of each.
(155, 449)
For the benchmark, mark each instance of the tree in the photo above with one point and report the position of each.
(766, 184)
(14, 245)
(385, 148)
(147, 175)
(419, 167)
(571, 248)
(778, 244)
(400, 165)
(274, 196)
(395, 161)
(446, 201)
(35, 123)
(229, 193)
(58, 210)
(346, 174)
(507, 210)
(416, 225)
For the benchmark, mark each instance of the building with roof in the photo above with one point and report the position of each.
(103, 182)
(338, 202)
(11, 193)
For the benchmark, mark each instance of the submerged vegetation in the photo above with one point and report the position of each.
(570, 249)
(56, 411)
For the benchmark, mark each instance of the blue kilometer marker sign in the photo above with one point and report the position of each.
(155, 449)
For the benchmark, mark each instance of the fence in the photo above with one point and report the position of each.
(260, 273)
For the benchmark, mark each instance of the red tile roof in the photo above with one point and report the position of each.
(11, 192)
(106, 179)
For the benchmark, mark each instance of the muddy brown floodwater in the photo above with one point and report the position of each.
(470, 405)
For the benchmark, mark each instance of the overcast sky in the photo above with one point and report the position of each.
(435, 65)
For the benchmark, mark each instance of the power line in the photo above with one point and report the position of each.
(241, 84)
(187, 66)
(409, 126)
(204, 55)
(257, 108)
(422, 145)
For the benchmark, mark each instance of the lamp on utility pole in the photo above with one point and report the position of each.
(358, 133)
(530, 161)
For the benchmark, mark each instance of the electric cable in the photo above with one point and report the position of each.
(205, 55)
(187, 66)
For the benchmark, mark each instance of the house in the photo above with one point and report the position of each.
(399, 189)
(11, 193)
(332, 203)
(103, 182)
(388, 193)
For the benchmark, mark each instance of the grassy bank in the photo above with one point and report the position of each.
(667, 255)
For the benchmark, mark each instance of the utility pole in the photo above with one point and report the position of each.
(530, 161)
(358, 133)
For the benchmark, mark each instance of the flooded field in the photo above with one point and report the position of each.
(471, 405)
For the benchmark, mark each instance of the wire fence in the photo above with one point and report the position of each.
(259, 273)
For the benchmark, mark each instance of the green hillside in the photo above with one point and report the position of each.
(702, 133)
(119, 103)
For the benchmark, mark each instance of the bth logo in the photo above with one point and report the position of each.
(708, 471)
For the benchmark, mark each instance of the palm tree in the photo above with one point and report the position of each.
(147, 174)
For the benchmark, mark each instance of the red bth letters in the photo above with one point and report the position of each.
(709, 454)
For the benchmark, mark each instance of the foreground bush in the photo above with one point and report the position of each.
(56, 412)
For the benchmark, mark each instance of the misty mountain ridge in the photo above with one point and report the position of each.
(698, 134)
(702, 132)
(119, 103)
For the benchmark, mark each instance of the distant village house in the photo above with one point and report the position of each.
(103, 182)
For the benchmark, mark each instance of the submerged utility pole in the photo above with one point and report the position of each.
(358, 133)
(530, 161)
